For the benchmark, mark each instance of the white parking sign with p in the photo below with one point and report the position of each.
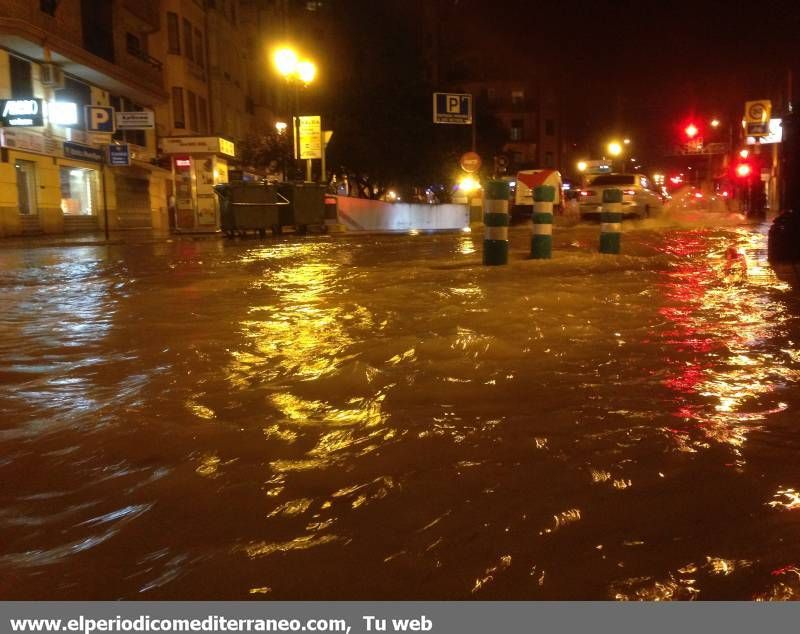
(100, 119)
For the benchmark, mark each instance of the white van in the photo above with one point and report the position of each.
(526, 181)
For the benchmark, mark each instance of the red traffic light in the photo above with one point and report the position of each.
(691, 131)
(743, 170)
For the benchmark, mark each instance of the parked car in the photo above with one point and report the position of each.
(526, 181)
(638, 199)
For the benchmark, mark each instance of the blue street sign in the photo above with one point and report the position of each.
(452, 108)
(82, 152)
(99, 119)
(119, 155)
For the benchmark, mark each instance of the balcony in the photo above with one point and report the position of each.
(144, 57)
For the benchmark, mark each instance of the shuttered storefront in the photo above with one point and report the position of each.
(133, 202)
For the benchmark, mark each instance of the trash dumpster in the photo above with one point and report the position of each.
(306, 205)
(250, 206)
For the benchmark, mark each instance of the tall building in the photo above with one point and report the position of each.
(180, 83)
(58, 57)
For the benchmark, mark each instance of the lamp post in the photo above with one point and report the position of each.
(297, 73)
(614, 150)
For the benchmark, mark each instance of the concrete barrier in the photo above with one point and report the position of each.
(361, 214)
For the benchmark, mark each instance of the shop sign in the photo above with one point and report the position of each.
(83, 152)
(22, 140)
(21, 112)
(227, 147)
(119, 155)
(144, 120)
(63, 113)
(310, 137)
(197, 145)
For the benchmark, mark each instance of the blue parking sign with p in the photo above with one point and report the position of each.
(100, 119)
(452, 108)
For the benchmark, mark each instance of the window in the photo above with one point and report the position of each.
(645, 183)
(21, 85)
(614, 179)
(187, 39)
(548, 159)
(199, 54)
(173, 34)
(249, 105)
(26, 187)
(517, 126)
(177, 108)
(549, 127)
(48, 6)
(133, 43)
(517, 97)
(191, 103)
(491, 95)
(202, 114)
(78, 191)
(138, 137)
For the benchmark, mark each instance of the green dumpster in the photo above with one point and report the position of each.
(250, 206)
(306, 205)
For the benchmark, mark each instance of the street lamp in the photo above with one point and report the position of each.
(614, 150)
(714, 122)
(285, 60)
(296, 72)
(582, 166)
(306, 71)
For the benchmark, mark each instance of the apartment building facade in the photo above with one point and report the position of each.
(181, 72)
(58, 57)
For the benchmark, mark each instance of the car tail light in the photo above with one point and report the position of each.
(586, 192)
(629, 192)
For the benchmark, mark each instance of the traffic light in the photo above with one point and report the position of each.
(743, 170)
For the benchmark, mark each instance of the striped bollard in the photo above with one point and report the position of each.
(542, 240)
(495, 220)
(611, 221)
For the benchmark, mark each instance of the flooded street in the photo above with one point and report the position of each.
(381, 417)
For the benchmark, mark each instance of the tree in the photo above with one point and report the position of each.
(266, 151)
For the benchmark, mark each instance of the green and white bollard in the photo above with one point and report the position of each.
(542, 240)
(611, 221)
(495, 220)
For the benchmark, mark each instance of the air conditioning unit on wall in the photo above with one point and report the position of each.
(51, 76)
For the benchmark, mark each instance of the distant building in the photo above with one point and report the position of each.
(517, 113)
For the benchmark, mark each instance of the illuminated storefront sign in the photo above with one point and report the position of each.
(21, 112)
(197, 144)
(63, 113)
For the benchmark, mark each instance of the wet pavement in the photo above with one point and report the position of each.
(380, 417)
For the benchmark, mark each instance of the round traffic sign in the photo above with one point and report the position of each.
(757, 112)
(470, 162)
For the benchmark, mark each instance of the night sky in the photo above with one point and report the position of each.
(639, 68)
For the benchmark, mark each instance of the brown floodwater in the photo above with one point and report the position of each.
(381, 417)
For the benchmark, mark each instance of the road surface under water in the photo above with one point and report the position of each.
(381, 417)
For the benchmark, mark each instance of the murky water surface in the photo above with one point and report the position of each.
(381, 417)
